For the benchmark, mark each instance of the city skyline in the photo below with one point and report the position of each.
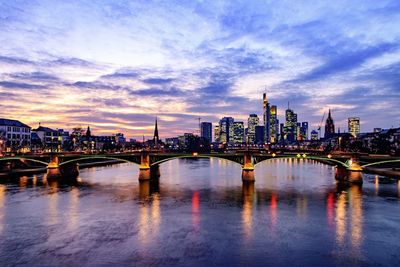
(116, 67)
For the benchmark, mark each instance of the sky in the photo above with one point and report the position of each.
(116, 65)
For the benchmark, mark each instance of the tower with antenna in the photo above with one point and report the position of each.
(199, 129)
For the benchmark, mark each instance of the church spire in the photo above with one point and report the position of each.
(156, 137)
(88, 132)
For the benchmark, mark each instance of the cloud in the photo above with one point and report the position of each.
(18, 85)
(120, 64)
(156, 81)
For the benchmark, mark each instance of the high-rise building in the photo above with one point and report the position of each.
(329, 126)
(259, 134)
(226, 130)
(216, 133)
(290, 128)
(314, 135)
(304, 131)
(273, 124)
(354, 126)
(267, 118)
(206, 130)
(238, 132)
(252, 122)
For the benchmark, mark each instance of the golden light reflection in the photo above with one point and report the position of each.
(144, 222)
(376, 185)
(398, 188)
(53, 205)
(155, 214)
(34, 181)
(355, 197)
(149, 213)
(351, 222)
(247, 213)
(3, 191)
(341, 219)
(73, 208)
(23, 182)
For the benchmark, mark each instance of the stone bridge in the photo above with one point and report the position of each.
(59, 164)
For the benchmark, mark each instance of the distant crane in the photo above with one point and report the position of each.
(319, 126)
(199, 119)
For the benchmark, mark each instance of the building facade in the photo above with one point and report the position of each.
(15, 136)
(266, 118)
(273, 124)
(290, 127)
(252, 122)
(226, 130)
(216, 133)
(238, 132)
(51, 139)
(354, 126)
(206, 131)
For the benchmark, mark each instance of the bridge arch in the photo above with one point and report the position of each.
(22, 158)
(380, 162)
(193, 156)
(318, 159)
(96, 157)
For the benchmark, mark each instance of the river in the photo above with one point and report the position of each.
(200, 214)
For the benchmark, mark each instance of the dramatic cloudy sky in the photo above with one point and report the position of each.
(115, 65)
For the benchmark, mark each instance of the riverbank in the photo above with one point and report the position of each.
(20, 172)
(389, 172)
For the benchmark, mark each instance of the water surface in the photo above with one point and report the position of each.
(200, 214)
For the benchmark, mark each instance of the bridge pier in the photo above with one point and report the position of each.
(355, 170)
(151, 173)
(248, 168)
(351, 174)
(53, 168)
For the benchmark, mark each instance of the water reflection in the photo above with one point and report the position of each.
(273, 210)
(330, 209)
(355, 199)
(203, 212)
(149, 210)
(247, 212)
(196, 211)
(349, 218)
(341, 218)
(73, 212)
(3, 189)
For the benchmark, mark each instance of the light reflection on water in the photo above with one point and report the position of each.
(200, 213)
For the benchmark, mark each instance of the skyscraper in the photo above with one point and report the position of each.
(273, 124)
(226, 130)
(216, 133)
(354, 126)
(238, 132)
(252, 122)
(329, 126)
(290, 127)
(266, 117)
(206, 130)
(314, 135)
(304, 130)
